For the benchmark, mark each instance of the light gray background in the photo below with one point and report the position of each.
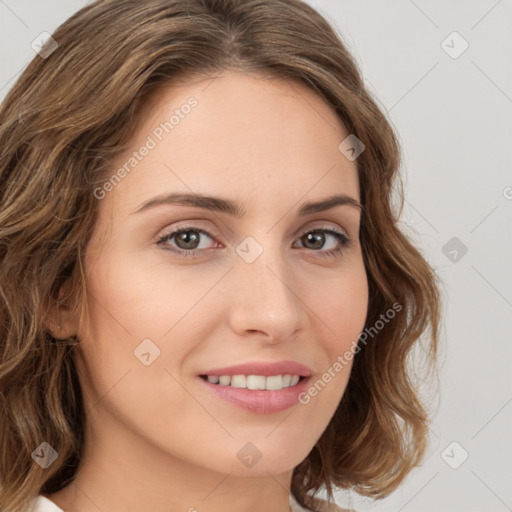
(453, 116)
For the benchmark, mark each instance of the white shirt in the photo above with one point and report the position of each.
(43, 504)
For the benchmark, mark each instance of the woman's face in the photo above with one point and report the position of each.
(267, 285)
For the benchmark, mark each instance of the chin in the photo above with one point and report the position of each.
(260, 459)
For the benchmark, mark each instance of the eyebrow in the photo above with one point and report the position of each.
(234, 209)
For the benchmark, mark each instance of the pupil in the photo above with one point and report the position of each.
(317, 238)
(187, 239)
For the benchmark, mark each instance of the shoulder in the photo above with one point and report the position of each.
(42, 504)
(327, 506)
(318, 505)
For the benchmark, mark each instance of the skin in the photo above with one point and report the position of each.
(155, 438)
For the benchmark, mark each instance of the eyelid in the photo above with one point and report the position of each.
(195, 224)
(192, 224)
(318, 224)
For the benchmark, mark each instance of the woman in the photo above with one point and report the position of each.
(207, 302)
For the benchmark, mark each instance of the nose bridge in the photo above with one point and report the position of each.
(264, 299)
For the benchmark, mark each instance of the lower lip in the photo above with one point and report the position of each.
(260, 401)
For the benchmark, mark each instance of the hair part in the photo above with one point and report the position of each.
(62, 124)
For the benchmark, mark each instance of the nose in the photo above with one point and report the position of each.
(264, 302)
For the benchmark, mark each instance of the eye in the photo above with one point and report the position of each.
(188, 241)
(317, 239)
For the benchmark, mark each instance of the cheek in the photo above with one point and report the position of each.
(343, 306)
(132, 300)
(131, 308)
(141, 296)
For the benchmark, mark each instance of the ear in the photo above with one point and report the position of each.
(60, 320)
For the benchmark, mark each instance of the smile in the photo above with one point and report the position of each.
(274, 397)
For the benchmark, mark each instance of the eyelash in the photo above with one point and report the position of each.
(344, 240)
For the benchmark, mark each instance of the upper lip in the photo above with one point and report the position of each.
(263, 368)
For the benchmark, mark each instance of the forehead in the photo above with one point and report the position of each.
(233, 134)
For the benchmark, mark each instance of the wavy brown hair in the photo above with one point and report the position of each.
(62, 123)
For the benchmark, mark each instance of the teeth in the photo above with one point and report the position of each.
(256, 382)
(225, 380)
(270, 383)
(274, 382)
(238, 381)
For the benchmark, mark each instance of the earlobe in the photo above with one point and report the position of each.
(52, 322)
(59, 322)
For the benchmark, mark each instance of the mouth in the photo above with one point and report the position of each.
(260, 394)
(261, 387)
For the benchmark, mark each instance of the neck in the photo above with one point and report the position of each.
(124, 472)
